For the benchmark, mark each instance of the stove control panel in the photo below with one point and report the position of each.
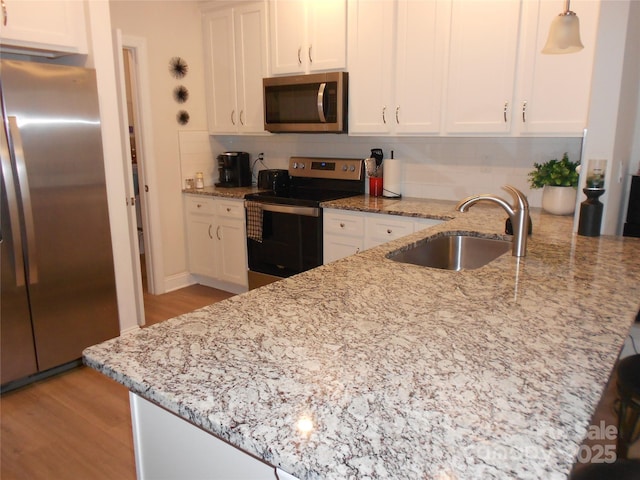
(335, 168)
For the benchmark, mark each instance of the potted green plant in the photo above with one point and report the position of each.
(559, 180)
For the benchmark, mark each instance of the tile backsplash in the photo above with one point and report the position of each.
(447, 168)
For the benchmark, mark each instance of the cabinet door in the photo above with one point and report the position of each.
(554, 89)
(343, 234)
(231, 240)
(420, 55)
(287, 19)
(200, 237)
(326, 47)
(251, 65)
(51, 26)
(337, 247)
(370, 63)
(482, 62)
(232, 250)
(220, 71)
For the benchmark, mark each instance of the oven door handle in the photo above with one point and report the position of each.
(291, 209)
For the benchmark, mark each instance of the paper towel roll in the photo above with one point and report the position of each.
(392, 174)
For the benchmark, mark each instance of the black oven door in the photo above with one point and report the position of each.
(291, 241)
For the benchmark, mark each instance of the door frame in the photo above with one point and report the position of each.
(146, 168)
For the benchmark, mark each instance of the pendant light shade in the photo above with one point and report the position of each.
(564, 34)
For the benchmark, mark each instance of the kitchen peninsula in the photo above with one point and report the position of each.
(401, 371)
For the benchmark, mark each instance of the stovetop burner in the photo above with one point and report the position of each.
(316, 180)
(309, 198)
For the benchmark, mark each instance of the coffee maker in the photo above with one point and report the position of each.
(234, 170)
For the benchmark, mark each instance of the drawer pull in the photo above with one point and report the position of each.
(199, 205)
(389, 231)
(228, 209)
(341, 225)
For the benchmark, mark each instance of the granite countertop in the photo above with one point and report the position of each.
(229, 192)
(405, 371)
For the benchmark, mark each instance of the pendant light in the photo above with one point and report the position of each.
(564, 34)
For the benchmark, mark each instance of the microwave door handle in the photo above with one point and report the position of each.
(12, 200)
(321, 89)
(25, 192)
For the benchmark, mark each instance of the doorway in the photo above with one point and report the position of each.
(139, 172)
(137, 157)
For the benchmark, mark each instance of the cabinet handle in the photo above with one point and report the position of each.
(228, 209)
(299, 58)
(198, 206)
(524, 112)
(309, 53)
(218, 232)
(384, 118)
(210, 236)
(5, 15)
(389, 231)
(397, 112)
(241, 120)
(504, 112)
(342, 225)
(233, 117)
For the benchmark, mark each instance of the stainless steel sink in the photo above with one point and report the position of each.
(454, 252)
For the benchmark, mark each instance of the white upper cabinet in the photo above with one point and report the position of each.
(371, 39)
(43, 27)
(419, 68)
(499, 82)
(235, 42)
(396, 57)
(307, 35)
(482, 66)
(553, 90)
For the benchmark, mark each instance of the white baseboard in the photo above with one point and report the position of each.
(181, 280)
(178, 281)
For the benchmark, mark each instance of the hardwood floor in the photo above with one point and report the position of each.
(76, 425)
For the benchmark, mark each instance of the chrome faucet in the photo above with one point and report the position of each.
(518, 213)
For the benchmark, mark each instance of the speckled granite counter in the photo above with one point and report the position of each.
(406, 372)
(231, 192)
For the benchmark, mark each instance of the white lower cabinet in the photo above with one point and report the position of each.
(232, 241)
(346, 232)
(166, 446)
(343, 234)
(216, 241)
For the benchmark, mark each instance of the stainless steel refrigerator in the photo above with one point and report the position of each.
(58, 291)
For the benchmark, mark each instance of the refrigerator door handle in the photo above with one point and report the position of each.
(12, 199)
(25, 192)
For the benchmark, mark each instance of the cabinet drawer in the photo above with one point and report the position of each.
(230, 208)
(344, 224)
(199, 204)
(388, 228)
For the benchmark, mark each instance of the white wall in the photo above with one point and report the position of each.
(171, 29)
(613, 110)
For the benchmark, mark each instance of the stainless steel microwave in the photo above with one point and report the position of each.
(315, 103)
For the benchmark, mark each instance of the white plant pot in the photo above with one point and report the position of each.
(559, 200)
